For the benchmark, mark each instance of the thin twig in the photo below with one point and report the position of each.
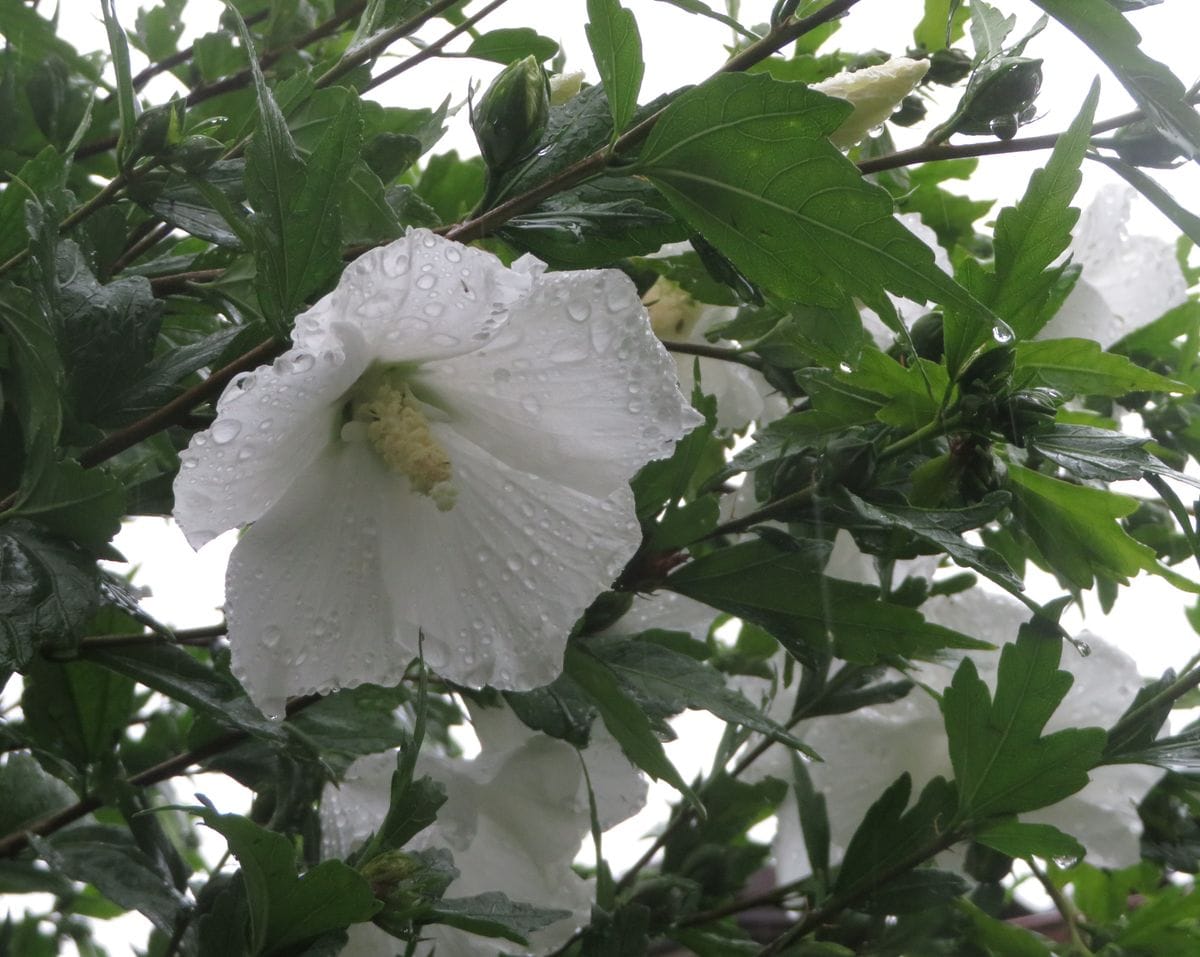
(713, 352)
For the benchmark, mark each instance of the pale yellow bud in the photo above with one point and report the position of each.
(875, 92)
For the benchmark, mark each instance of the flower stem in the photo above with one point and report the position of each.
(713, 352)
(1064, 906)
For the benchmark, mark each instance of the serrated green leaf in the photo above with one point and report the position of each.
(612, 33)
(286, 908)
(1092, 453)
(625, 720)
(82, 505)
(1031, 236)
(76, 709)
(38, 367)
(28, 793)
(1020, 839)
(492, 914)
(1075, 528)
(1155, 88)
(892, 834)
(1187, 221)
(942, 22)
(649, 672)
(1000, 938)
(807, 612)
(746, 160)
(1081, 367)
(1002, 762)
(560, 709)
(510, 44)
(49, 589)
(107, 859)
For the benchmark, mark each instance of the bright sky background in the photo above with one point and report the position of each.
(680, 49)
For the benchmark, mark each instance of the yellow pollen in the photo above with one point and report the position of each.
(400, 433)
(673, 313)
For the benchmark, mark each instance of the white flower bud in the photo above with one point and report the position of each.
(875, 92)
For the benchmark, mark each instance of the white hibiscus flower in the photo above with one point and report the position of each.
(514, 819)
(445, 451)
(866, 751)
(875, 92)
(1127, 281)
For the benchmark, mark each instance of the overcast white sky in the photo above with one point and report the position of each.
(680, 49)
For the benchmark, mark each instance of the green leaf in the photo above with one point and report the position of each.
(1002, 762)
(412, 807)
(451, 185)
(785, 593)
(1080, 367)
(107, 859)
(1075, 528)
(1030, 236)
(76, 709)
(49, 589)
(511, 44)
(943, 529)
(27, 793)
(652, 674)
(612, 33)
(287, 909)
(492, 914)
(914, 891)
(1002, 939)
(38, 367)
(83, 505)
(1155, 88)
(625, 719)
(890, 837)
(171, 671)
(746, 160)
(560, 709)
(942, 23)
(119, 50)
(1019, 839)
(1092, 453)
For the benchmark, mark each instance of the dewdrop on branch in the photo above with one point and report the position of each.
(446, 451)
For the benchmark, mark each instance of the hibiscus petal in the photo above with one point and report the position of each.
(419, 298)
(576, 388)
(306, 604)
(497, 582)
(271, 424)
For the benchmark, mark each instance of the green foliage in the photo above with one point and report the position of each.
(617, 49)
(1003, 764)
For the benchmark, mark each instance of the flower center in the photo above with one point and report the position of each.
(400, 433)
(673, 313)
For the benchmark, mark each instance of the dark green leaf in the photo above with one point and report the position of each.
(915, 891)
(746, 161)
(624, 719)
(171, 671)
(1092, 453)
(1187, 221)
(785, 593)
(1155, 88)
(76, 709)
(701, 8)
(612, 33)
(451, 186)
(1020, 839)
(493, 915)
(39, 371)
(1080, 367)
(1076, 530)
(654, 675)
(82, 505)
(27, 793)
(511, 44)
(108, 860)
(48, 590)
(560, 709)
(287, 909)
(1002, 762)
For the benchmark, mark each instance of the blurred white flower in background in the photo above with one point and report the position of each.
(866, 750)
(1127, 281)
(445, 451)
(514, 819)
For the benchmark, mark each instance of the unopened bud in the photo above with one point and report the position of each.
(510, 118)
(157, 129)
(197, 153)
(1141, 144)
(565, 86)
(911, 112)
(874, 92)
(1002, 101)
(947, 67)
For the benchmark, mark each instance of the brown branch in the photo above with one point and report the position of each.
(182, 56)
(13, 843)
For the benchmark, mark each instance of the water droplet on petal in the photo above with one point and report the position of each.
(579, 310)
(434, 309)
(225, 430)
(441, 339)
(531, 405)
(302, 362)
(426, 281)
(271, 635)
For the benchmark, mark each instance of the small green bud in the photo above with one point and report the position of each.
(512, 114)
(157, 130)
(1028, 411)
(848, 462)
(1002, 101)
(196, 153)
(388, 871)
(989, 372)
(947, 67)
(912, 111)
(1141, 144)
(928, 336)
